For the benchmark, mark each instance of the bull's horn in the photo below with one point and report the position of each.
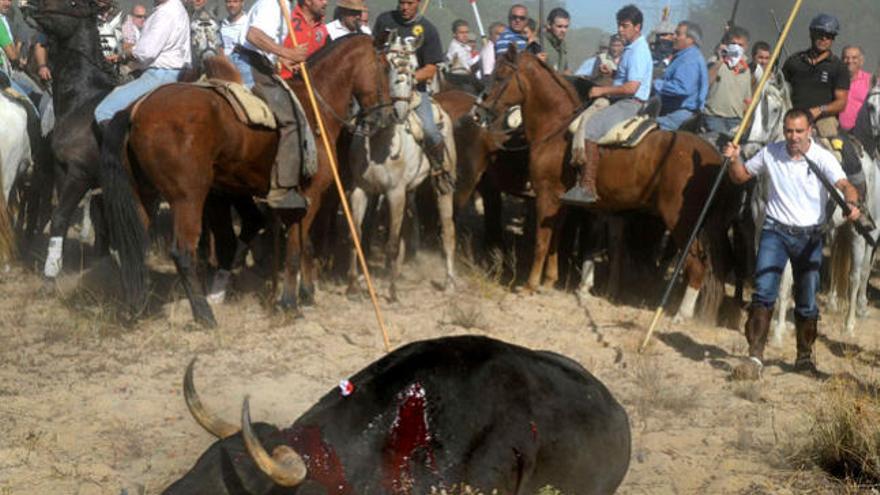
(284, 466)
(211, 423)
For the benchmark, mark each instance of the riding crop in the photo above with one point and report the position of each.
(339, 188)
(721, 173)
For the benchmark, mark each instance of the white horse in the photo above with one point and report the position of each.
(860, 256)
(392, 162)
(15, 158)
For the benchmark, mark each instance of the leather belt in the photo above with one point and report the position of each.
(794, 229)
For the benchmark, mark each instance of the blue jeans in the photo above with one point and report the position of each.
(247, 77)
(673, 120)
(426, 114)
(805, 253)
(128, 93)
(604, 120)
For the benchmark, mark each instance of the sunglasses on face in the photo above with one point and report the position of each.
(518, 18)
(822, 35)
(136, 16)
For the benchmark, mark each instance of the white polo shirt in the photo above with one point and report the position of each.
(796, 197)
(164, 41)
(230, 32)
(265, 15)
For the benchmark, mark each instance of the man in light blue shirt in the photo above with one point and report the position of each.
(685, 83)
(629, 91)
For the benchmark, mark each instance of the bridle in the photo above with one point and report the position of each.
(488, 117)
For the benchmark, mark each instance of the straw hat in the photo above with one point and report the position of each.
(352, 4)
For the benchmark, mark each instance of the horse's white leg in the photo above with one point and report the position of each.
(359, 201)
(588, 278)
(396, 206)
(780, 312)
(688, 304)
(444, 205)
(859, 252)
(867, 264)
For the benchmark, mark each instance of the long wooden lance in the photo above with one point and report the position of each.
(339, 188)
(479, 20)
(721, 173)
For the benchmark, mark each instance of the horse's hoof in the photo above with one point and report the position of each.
(48, 287)
(217, 298)
(750, 369)
(307, 296)
(206, 320)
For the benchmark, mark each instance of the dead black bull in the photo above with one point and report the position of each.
(440, 413)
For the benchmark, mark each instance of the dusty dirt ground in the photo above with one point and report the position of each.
(90, 407)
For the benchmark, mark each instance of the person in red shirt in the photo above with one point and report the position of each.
(307, 20)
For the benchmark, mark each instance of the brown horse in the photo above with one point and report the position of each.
(184, 141)
(668, 173)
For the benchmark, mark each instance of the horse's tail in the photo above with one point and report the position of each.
(841, 261)
(127, 232)
(7, 237)
(719, 251)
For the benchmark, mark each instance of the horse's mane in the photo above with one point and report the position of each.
(220, 67)
(561, 81)
(330, 47)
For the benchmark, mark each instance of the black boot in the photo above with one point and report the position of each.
(757, 328)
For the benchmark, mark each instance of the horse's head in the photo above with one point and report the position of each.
(402, 65)
(370, 81)
(62, 18)
(506, 90)
(767, 119)
(205, 38)
(872, 104)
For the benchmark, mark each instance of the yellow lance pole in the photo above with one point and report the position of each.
(721, 173)
(425, 7)
(335, 169)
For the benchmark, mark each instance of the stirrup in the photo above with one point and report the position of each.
(579, 196)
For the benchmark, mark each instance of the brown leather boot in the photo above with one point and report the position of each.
(806, 331)
(584, 193)
(757, 328)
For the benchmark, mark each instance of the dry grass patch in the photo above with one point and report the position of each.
(658, 390)
(466, 316)
(844, 438)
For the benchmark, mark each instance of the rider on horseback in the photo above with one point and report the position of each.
(630, 90)
(265, 42)
(819, 85)
(164, 50)
(409, 23)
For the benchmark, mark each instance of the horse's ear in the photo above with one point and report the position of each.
(511, 52)
(383, 38)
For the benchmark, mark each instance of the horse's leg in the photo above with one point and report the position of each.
(75, 187)
(780, 312)
(359, 203)
(546, 214)
(445, 209)
(695, 271)
(551, 272)
(493, 229)
(867, 265)
(187, 230)
(219, 219)
(396, 205)
(616, 254)
(309, 266)
(859, 252)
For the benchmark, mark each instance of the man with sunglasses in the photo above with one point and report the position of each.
(514, 33)
(820, 86)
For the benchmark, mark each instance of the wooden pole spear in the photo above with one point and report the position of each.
(722, 172)
(339, 188)
(425, 7)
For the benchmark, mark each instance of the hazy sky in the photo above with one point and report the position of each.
(600, 13)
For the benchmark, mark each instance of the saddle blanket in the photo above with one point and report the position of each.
(626, 134)
(248, 107)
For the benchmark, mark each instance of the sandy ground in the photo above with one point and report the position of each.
(89, 407)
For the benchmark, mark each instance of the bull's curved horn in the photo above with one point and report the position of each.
(211, 423)
(284, 466)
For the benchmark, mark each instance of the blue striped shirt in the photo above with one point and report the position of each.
(508, 37)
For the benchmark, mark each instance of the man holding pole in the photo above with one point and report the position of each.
(795, 215)
(408, 23)
(262, 46)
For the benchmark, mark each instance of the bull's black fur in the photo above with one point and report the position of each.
(500, 417)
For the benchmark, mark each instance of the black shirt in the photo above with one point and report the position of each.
(431, 51)
(814, 85)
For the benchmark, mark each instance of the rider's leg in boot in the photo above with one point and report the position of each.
(757, 329)
(435, 148)
(584, 192)
(806, 331)
(284, 193)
